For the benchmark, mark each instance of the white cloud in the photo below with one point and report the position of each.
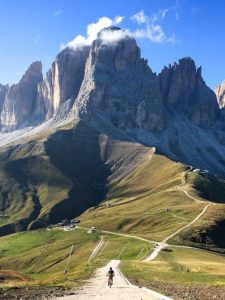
(140, 17)
(164, 12)
(92, 32)
(148, 28)
(118, 20)
(57, 12)
(155, 33)
(114, 36)
(152, 32)
(152, 29)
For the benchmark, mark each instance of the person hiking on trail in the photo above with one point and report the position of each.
(110, 274)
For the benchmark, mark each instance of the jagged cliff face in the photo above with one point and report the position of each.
(34, 100)
(111, 80)
(119, 85)
(20, 98)
(62, 82)
(185, 92)
(109, 86)
(3, 91)
(220, 94)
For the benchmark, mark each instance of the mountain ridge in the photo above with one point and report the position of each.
(62, 81)
(109, 85)
(99, 113)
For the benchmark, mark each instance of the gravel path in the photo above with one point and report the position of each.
(164, 244)
(97, 288)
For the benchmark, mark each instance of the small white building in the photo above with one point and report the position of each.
(92, 230)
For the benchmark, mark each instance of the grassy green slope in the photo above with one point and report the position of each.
(126, 189)
(209, 230)
(198, 273)
(29, 190)
(43, 182)
(60, 176)
(42, 255)
(149, 204)
(146, 203)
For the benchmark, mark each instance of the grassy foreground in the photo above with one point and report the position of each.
(40, 257)
(183, 267)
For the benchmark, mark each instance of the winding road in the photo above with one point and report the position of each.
(163, 244)
(96, 287)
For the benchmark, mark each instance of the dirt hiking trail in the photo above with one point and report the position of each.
(96, 288)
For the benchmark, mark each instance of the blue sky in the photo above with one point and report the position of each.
(35, 30)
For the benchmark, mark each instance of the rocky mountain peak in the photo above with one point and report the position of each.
(119, 85)
(111, 87)
(114, 48)
(108, 29)
(185, 92)
(62, 81)
(33, 73)
(177, 82)
(20, 98)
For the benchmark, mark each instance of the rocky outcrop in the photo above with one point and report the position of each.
(111, 80)
(205, 111)
(119, 86)
(220, 94)
(184, 91)
(20, 99)
(62, 81)
(177, 83)
(3, 91)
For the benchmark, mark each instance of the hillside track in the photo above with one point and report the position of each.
(97, 288)
(164, 244)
